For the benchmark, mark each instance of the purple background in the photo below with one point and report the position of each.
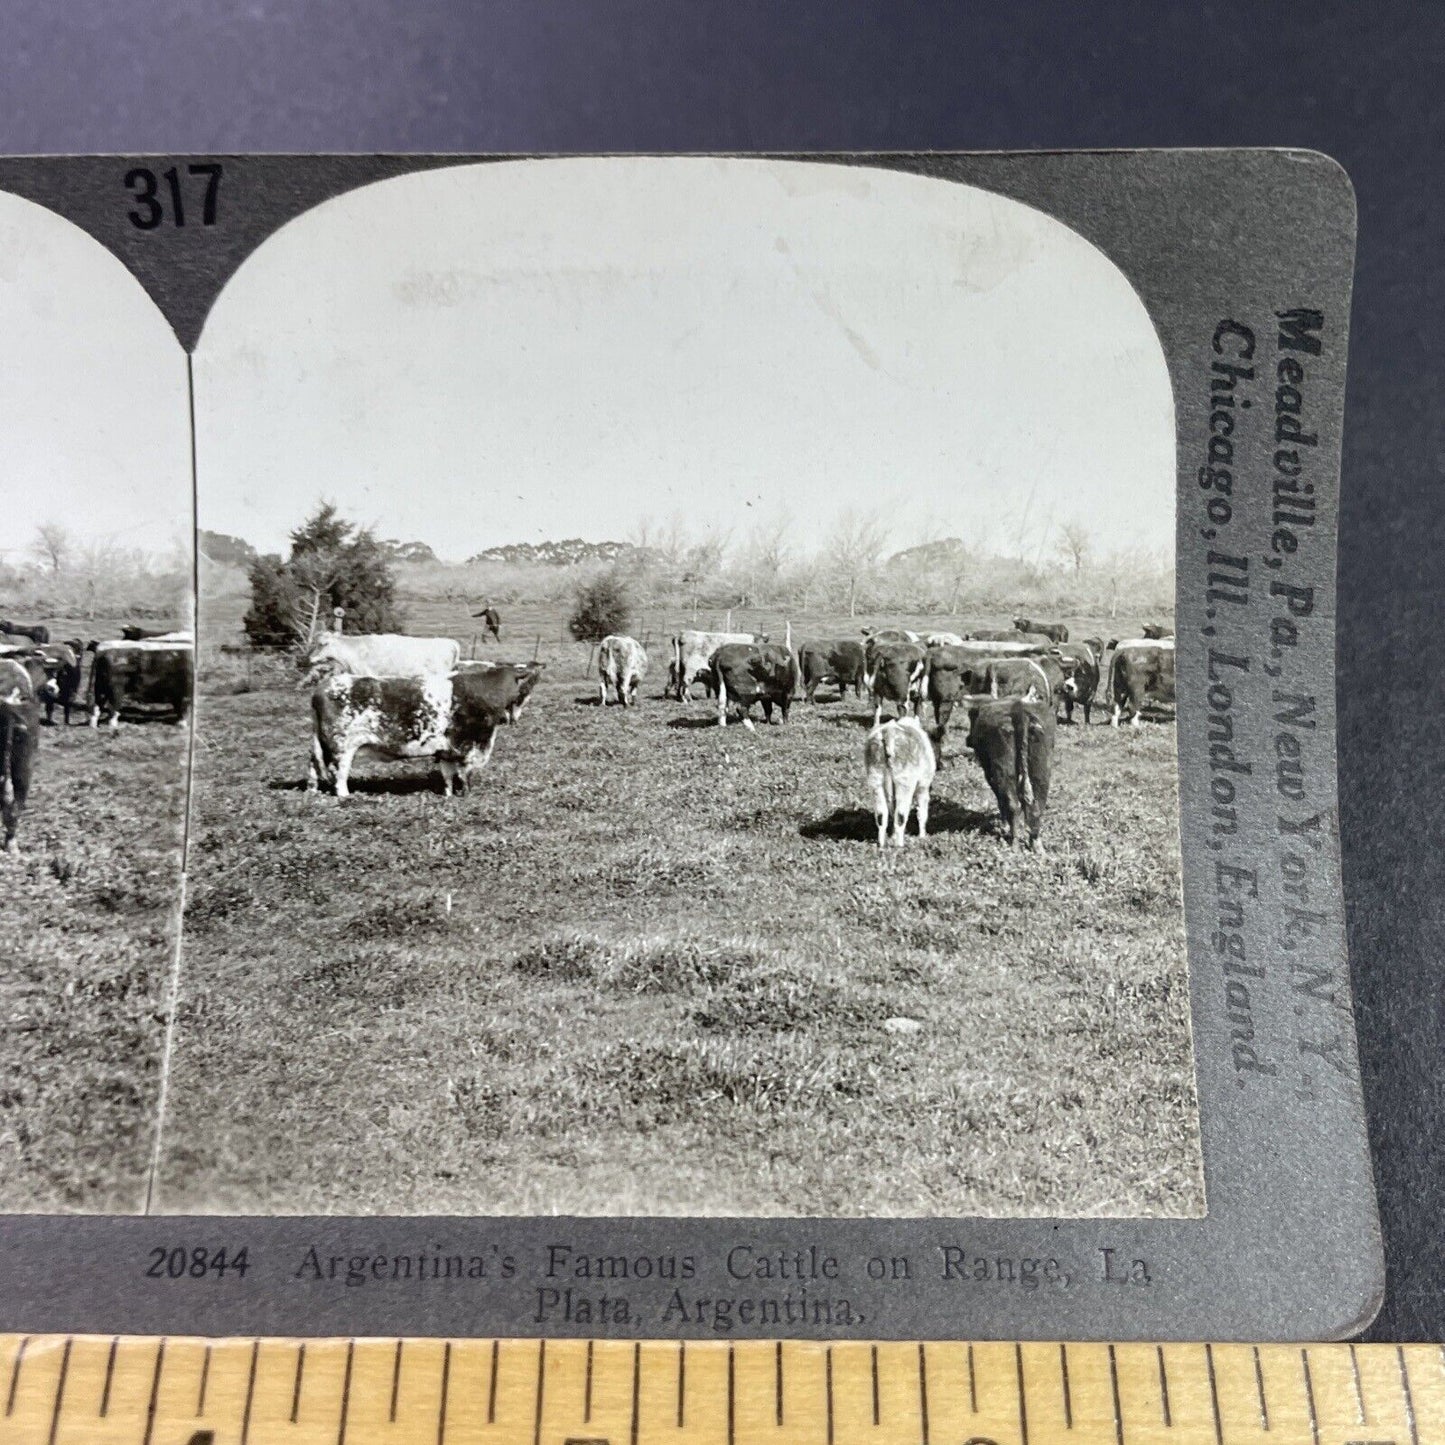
(1362, 82)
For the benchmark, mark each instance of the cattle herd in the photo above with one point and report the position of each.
(413, 697)
(139, 673)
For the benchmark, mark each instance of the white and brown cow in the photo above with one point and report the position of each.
(621, 665)
(692, 653)
(152, 674)
(1140, 669)
(451, 718)
(900, 758)
(379, 654)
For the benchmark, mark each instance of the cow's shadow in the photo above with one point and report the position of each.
(402, 785)
(857, 825)
(710, 721)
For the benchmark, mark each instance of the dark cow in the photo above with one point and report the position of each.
(491, 621)
(36, 632)
(1017, 676)
(1054, 631)
(140, 674)
(1142, 669)
(450, 717)
(62, 662)
(951, 675)
(749, 672)
(1013, 741)
(1153, 631)
(895, 674)
(133, 633)
(19, 739)
(839, 663)
(1019, 639)
(1080, 663)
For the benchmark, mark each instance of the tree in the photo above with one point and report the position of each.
(602, 606)
(1075, 544)
(854, 550)
(333, 564)
(52, 546)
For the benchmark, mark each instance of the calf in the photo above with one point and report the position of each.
(895, 674)
(1013, 741)
(140, 674)
(450, 717)
(1054, 631)
(1142, 669)
(749, 672)
(19, 739)
(1081, 677)
(900, 757)
(839, 663)
(621, 665)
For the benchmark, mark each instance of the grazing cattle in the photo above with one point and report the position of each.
(1142, 668)
(380, 654)
(450, 717)
(900, 757)
(37, 632)
(840, 663)
(153, 673)
(621, 665)
(1015, 676)
(19, 740)
(1154, 631)
(132, 633)
(749, 672)
(491, 621)
(952, 674)
(888, 634)
(895, 674)
(1081, 677)
(1015, 641)
(1054, 631)
(692, 658)
(1013, 741)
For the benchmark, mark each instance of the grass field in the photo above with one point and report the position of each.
(648, 966)
(90, 909)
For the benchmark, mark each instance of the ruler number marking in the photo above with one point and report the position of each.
(149, 211)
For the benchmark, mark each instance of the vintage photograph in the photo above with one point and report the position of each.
(684, 711)
(96, 675)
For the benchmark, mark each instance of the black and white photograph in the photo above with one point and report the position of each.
(96, 663)
(685, 715)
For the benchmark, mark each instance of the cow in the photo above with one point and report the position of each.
(749, 672)
(943, 639)
(953, 672)
(1054, 631)
(621, 665)
(152, 673)
(840, 663)
(62, 661)
(450, 717)
(133, 633)
(895, 674)
(19, 740)
(37, 632)
(491, 621)
(379, 654)
(1080, 663)
(692, 658)
(1013, 741)
(888, 634)
(1015, 676)
(1154, 631)
(1019, 641)
(1142, 668)
(900, 758)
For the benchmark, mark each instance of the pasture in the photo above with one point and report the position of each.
(90, 909)
(652, 967)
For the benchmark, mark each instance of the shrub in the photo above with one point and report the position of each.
(603, 606)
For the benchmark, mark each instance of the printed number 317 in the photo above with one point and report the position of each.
(155, 206)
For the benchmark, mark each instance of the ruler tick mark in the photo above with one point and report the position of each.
(296, 1388)
(636, 1391)
(395, 1381)
(492, 1385)
(1359, 1393)
(250, 1392)
(1259, 1389)
(109, 1376)
(446, 1384)
(923, 1391)
(345, 1393)
(1064, 1377)
(1409, 1396)
(60, 1393)
(732, 1397)
(15, 1374)
(972, 1384)
(874, 1356)
(1023, 1404)
(1304, 1356)
(205, 1380)
(1164, 1389)
(155, 1392)
(778, 1380)
(1114, 1387)
(586, 1388)
(541, 1386)
(1214, 1395)
(681, 1381)
(828, 1388)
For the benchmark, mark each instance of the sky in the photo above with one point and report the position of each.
(93, 406)
(532, 350)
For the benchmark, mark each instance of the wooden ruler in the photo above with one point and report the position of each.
(92, 1390)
